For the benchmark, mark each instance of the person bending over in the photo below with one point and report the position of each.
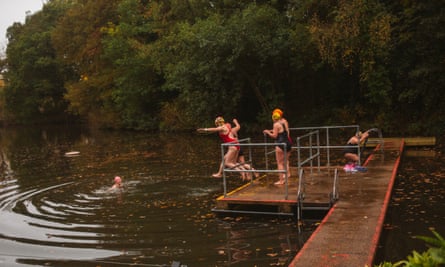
(351, 152)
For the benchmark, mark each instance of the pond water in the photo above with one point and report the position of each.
(417, 205)
(58, 210)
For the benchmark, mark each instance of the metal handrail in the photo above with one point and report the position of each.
(335, 193)
(301, 193)
(311, 147)
(327, 129)
(267, 170)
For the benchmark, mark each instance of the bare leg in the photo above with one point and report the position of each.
(279, 155)
(288, 164)
(231, 161)
(352, 158)
(219, 173)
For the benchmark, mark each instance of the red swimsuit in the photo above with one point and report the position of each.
(226, 138)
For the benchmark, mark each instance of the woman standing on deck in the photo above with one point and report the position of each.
(280, 133)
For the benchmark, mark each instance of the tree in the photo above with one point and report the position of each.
(35, 83)
(77, 39)
(128, 47)
(417, 66)
(355, 37)
(220, 64)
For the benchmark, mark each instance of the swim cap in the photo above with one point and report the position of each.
(276, 116)
(279, 112)
(219, 121)
(117, 179)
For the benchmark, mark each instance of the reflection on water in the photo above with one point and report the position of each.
(417, 206)
(59, 210)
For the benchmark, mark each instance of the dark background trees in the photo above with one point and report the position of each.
(175, 65)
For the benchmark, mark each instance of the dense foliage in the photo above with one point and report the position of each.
(175, 64)
(434, 256)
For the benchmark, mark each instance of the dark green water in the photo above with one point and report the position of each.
(417, 206)
(57, 210)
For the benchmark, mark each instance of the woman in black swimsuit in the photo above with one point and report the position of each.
(351, 152)
(280, 133)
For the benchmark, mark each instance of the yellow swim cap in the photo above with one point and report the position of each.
(219, 121)
(276, 116)
(279, 112)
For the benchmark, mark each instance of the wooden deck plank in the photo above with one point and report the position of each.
(264, 192)
(409, 141)
(349, 234)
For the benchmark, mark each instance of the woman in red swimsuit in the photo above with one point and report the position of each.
(224, 131)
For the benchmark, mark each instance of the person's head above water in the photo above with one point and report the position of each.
(117, 180)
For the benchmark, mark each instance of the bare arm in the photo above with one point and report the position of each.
(274, 132)
(364, 136)
(236, 128)
(287, 126)
(355, 140)
(212, 130)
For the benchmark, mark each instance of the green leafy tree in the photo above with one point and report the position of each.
(35, 80)
(355, 37)
(77, 38)
(174, 64)
(417, 66)
(128, 45)
(220, 64)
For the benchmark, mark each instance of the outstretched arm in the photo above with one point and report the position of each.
(210, 130)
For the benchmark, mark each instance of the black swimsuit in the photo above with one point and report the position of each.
(283, 138)
(352, 148)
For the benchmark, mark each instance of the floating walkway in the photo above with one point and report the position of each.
(355, 204)
(349, 233)
(261, 196)
(309, 186)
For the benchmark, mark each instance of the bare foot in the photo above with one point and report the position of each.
(216, 175)
(279, 183)
(246, 176)
(256, 174)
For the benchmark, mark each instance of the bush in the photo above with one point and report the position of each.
(433, 257)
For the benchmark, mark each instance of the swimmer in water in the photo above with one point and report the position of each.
(117, 183)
